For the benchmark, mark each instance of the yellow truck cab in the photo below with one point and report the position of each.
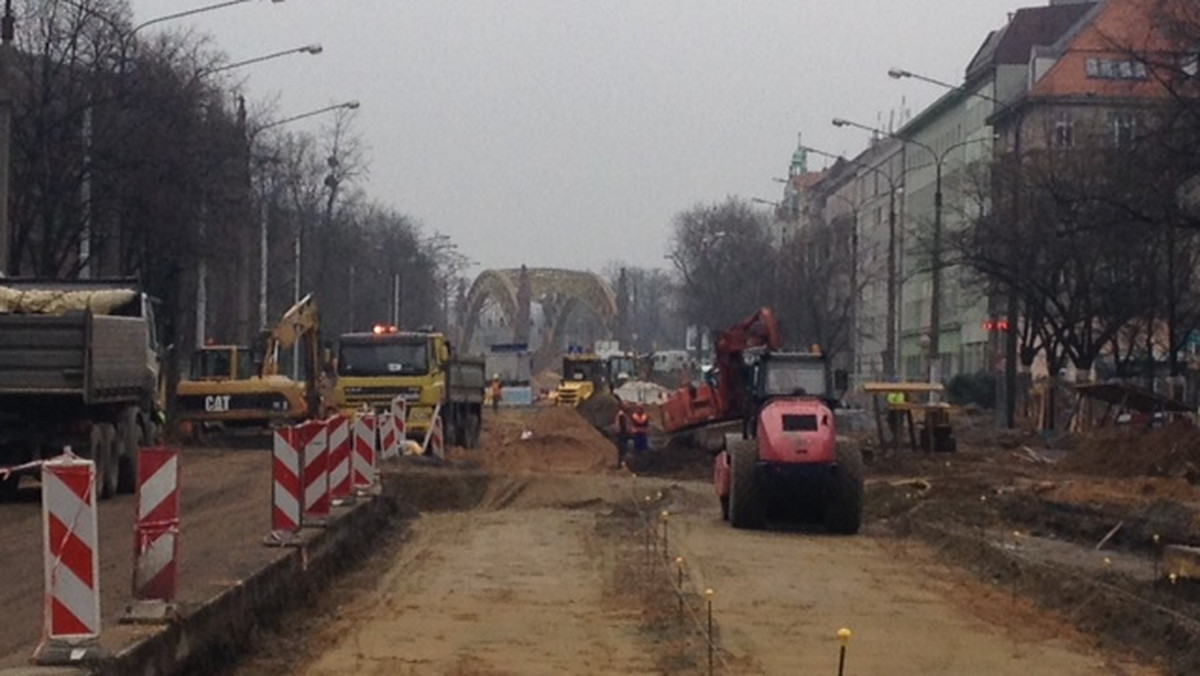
(374, 367)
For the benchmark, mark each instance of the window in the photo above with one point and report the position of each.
(799, 423)
(1113, 69)
(1124, 129)
(1064, 131)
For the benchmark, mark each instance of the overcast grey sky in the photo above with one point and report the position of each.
(568, 133)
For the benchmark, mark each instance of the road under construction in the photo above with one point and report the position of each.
(533, 554)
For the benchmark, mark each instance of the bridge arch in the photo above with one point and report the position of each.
(560, 292)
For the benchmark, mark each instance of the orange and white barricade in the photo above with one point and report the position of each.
(315, 476)
(286, 494)
(156, 541)
(340, 486)
(72, 562)
(363, 456)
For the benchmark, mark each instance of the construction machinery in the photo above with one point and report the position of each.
(226, 392)
(583, 375)
(786, 461)
(80, 366)
(375, 367)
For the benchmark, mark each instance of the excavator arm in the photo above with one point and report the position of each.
(693, 406)
(301, 321)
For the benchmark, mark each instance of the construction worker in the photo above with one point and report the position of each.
(497, 391)
(639, 425)
(621, 432)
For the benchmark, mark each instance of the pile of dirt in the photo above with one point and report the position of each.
(599, 410)
(551, 439)
(1172, 451)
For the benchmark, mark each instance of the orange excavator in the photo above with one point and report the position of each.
(729, 397)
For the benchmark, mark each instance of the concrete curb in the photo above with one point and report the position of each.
(214, 633)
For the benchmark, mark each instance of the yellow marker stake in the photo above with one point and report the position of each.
(843, 639)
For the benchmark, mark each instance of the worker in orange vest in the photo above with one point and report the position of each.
(497, 391)
(621, 432)
(639, 424)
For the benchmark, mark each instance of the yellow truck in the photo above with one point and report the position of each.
(374, 367)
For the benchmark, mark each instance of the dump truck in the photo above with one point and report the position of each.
(80, 366)
(375, 367)
(227, 391)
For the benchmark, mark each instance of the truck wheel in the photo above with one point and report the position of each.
(473, 430)
(129, 442)
(746, 508)
(843, 514)
(102, 452)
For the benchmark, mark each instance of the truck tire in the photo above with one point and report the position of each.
(746, 508)
(472, 432)
(102, 452)
(843, 514)
(129, 441)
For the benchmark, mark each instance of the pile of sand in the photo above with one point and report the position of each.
(57, 302)
(1172, 451)
(552, 439)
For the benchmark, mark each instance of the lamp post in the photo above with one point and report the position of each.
(265, 212)
(1012, 308)
(889, 355)
(202, 261)
(935, 284)
(312, 49)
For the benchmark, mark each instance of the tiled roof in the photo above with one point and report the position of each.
(1029, 27)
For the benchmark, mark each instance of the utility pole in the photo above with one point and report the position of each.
(7, 31)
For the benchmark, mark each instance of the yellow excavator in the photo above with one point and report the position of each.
(225, 392)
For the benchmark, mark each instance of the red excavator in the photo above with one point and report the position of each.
(729, 397)
(786, 462)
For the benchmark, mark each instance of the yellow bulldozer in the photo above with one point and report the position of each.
(583, 375)
(225, 392)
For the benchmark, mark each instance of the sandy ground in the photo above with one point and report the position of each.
(225, 513)
(530, 582)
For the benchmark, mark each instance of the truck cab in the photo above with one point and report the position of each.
(375, 367)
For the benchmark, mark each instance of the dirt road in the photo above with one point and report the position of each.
(537, 579)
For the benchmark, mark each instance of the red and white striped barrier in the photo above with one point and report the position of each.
(434, 435)
(400, 418)
(389, 442)
(156, 571)
(340, 486)
(71, 559)
(315, 476)
(286, 493)
(362, 463)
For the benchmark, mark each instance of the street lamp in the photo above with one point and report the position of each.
(935, 290)
(187, 13)
(202, 262)
(892, 272)
(1012, 309)
(264, 216)
(313, 49)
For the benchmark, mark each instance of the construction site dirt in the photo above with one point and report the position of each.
(535, 554)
